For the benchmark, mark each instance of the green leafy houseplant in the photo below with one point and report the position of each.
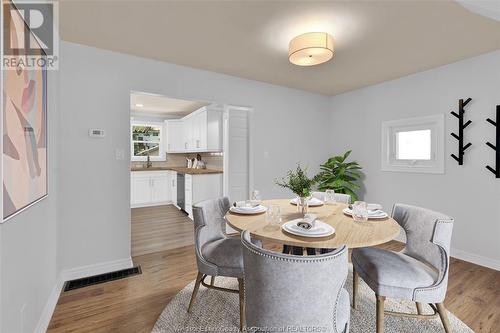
(298, 182)
(338, 175)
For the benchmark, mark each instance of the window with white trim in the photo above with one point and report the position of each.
(413, 145)
(147, 139)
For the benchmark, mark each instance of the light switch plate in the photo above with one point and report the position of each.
(119, 154)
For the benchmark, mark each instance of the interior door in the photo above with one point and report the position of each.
(237, 153)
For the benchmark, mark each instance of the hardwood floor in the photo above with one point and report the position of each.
(159, 228)
(134, 304)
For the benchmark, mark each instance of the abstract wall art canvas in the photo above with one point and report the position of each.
(24, 112)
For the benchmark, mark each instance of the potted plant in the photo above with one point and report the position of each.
(338, 175)
(300, 184)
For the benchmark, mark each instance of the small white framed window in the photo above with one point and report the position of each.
(146, 138)
(413, 145)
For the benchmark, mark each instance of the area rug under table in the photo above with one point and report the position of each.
(215, 311)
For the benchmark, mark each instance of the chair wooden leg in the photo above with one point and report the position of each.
(212, 280)
(355, 283)
(380, 313)
(241, 284)
(419, 307)
(444, 317)
(199, 277)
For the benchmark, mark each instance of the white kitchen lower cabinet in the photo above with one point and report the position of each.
(201, 187)
(150, 188)
(173, 187)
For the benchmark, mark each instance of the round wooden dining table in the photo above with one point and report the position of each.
(347, 231)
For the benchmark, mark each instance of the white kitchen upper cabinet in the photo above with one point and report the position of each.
(175, 136)
(203, 130)
(188, 129)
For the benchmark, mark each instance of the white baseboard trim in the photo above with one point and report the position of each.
(71, 274)
(50, 305)
(90, 270)
(476, 259)
(152, 204)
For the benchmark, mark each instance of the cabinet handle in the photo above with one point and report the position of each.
(185, 145)
(172, 183)
(197, 143)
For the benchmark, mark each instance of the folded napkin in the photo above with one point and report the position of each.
(312, 201)
(243, 205)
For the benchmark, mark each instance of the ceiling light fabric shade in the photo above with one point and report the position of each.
(310, 49)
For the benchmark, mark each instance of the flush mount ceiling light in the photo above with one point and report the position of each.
(139, 105)
(312, 48)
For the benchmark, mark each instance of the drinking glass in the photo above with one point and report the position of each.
(255, 198)
(359, 211)
(329, 197)
(273, 215)
(303, 205)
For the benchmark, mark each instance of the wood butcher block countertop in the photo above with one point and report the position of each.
(179, 170)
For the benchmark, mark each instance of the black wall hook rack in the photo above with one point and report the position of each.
(461, 127)
(495, 171)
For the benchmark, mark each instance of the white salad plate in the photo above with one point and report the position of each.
(320, 229)
(375, 214)
(248, 210)
(313, 202)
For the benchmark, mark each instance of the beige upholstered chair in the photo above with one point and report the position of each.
(419, 273)
(216, 253)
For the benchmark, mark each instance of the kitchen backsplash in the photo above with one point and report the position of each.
(213, 160)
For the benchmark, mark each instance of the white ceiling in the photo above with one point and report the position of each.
(162, 106)
(375, 41)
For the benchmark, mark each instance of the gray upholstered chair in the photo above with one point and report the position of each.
(419, 273)
(339, 197)
(216, 253)
(293, 291)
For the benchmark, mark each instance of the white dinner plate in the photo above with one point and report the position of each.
(320, 229)
(371, 215)
(313, 202)
(248, 211)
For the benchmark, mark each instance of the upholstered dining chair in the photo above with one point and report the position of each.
(339, 197)
(419, 273)
(292, 291)
(216, 253)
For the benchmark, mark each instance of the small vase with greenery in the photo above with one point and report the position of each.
(341, 176)
(299, 183)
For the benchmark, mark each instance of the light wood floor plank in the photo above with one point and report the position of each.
(159, 228)
(133, 304)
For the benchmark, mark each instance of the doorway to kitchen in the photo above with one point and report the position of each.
(180, 153)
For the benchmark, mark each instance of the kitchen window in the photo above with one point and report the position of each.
(147, 139)
(413, 145)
